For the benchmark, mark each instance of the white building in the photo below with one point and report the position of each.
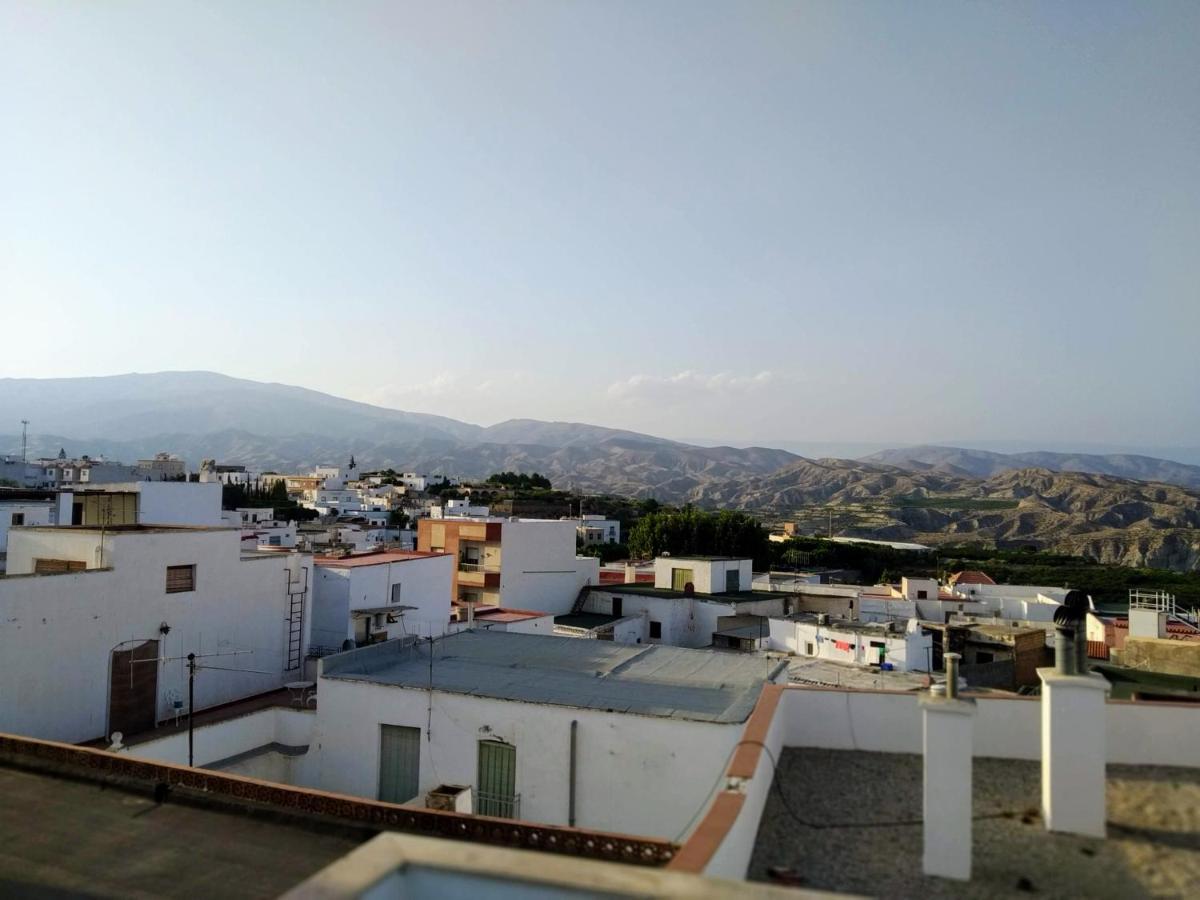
(95, 624)
(592, 530)
(521, 563)
(544, 729)
(458, 509)
(24, 508)
(680, 609)
(260, 528)
(142, 503)
(903, 646)
(377, 596)
(499, 618)
(163, 467)
(1017, 602)
(64, 472)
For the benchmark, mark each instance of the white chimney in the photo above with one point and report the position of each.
(1074, 752)
(947, 725)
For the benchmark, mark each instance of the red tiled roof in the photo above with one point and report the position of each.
(971, 576)
(502, 614)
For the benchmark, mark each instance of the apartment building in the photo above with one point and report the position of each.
(522, 563)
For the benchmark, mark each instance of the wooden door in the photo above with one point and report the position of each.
(133, 689)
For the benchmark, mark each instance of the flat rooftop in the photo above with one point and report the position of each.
(835, 623)
(648, 680)
(650, 590)
(372, 559)
(866, 836)
(133, 529)
(68, 837)
(585, 619)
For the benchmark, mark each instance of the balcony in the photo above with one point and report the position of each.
(477, 574)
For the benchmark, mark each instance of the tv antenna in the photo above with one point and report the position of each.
(194, 665)
(24, 439)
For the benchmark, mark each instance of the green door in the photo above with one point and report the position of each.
(399, 763)
(497, 791)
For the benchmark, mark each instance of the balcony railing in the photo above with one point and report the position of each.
(505, 806)
(464, 566)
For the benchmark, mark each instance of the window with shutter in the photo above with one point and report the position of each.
(181, 579)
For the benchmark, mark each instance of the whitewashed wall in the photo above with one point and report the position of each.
(34, 514)
(339, 590)
(636, 774)
(57, 632)
(1008, 728)
(538, 566)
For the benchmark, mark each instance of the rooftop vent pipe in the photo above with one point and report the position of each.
(1070, 634)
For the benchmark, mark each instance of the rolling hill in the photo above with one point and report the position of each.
(984, 463)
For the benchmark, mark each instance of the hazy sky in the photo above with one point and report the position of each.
(888, 222)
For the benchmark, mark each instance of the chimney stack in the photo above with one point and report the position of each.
(1074, 746)
(948, 724)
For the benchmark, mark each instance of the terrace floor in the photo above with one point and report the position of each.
(65, 837)
(859, 830)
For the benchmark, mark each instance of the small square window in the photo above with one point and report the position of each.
(656, 630)
(922, 595)
(18, 518)
(181, 579)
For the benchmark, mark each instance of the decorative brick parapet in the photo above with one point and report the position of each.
(100, 765)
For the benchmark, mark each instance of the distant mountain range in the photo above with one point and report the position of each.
(1120, 507)
(200, 415)
(985, 464)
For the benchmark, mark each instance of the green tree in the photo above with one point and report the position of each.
(694, 532)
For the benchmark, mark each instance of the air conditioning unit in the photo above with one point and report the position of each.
(450, 798)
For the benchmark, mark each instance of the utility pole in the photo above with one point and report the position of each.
(191, 659)
(24, 439)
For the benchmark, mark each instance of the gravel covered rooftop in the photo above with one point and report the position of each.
(855, 825)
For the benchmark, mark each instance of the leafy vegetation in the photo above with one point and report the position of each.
(604, 552)
(694, 532)
(443, 489)
(520, 481)
(235, 496)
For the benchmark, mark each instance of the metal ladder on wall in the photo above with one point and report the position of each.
(296, 591)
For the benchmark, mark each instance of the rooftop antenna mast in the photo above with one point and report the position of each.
(24, 439)
(194, 665)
